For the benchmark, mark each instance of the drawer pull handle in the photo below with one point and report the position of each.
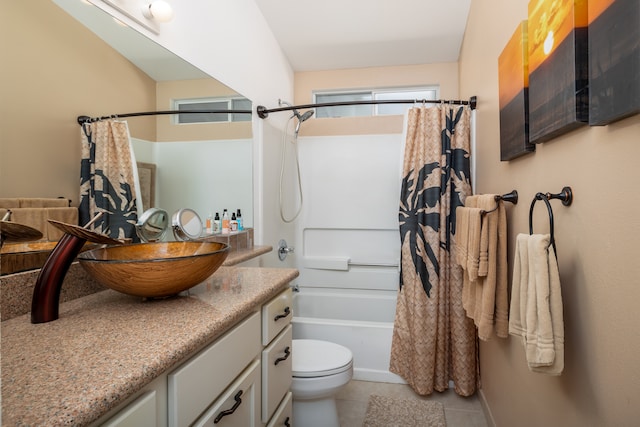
(287, 353)
(286, 423)
(230, 411)
(287, 311)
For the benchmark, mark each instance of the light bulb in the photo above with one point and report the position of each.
(159, 10)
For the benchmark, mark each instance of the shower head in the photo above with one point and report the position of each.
(304, 116)
(296, 113)
(301, 117)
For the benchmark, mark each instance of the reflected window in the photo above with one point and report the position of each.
(203, 104)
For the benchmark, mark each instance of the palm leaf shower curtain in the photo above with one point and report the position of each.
(108, 179)
(433, 339)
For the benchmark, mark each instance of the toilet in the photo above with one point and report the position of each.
(320, 369)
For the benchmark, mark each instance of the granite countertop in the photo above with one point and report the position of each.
(107, 346)
(16, 290)
(240, 255)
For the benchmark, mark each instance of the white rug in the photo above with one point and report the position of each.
(384, 411)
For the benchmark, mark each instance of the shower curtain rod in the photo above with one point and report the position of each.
(263, 112)
(86, 119)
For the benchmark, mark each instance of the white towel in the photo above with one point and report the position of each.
(536, 304)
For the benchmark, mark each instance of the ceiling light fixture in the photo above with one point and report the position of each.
(158, 10)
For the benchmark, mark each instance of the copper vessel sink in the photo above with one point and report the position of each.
(154, 270)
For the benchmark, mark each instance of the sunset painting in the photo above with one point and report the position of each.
(558, 67)
(513, 81)
(614, 60)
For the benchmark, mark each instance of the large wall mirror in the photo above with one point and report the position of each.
(205, 166)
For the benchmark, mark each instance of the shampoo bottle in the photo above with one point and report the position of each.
(239, 219)
(210, 224)
(234, 222)
(226, 227)
(217, 225)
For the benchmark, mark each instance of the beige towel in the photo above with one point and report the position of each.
(536, 304)
(467, 239)
(66, 215)
(43, 202)
(33, 217)
(489, 204)
(9, 203)
(485, 300)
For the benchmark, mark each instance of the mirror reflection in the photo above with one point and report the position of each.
(152, 225)
(187, 225)
(62, 70)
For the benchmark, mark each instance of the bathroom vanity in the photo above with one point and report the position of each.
(111, 359)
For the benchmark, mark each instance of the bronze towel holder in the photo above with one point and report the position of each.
(566, 196)
(511, 197)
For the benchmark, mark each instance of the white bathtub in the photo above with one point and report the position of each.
(361, 320)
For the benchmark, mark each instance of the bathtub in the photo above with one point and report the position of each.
(361, 320)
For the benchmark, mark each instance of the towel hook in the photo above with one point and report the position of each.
(543, 197)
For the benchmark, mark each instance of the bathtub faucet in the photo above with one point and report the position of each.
(283, 250)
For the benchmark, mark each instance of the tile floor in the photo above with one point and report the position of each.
(459, 411)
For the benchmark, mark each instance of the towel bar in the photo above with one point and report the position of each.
(566, 196)
(511, 197)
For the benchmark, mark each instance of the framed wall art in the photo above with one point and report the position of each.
(614, 60)
(558, 67)
(513, 86)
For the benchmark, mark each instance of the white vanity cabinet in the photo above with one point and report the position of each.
(242, 379)
(239, 405)
(276, 359)
(139, 413)
(197, 383)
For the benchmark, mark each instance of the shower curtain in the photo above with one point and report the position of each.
(433, 339)
(108, 177)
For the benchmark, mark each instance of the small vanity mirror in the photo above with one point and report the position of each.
(152, 225)
(186, 224)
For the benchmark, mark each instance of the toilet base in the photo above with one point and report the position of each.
(315, 413)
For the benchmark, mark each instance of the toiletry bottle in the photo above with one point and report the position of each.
(210, 224)
(234, 222)
(226, 227)
(239, 218)
(217, 225)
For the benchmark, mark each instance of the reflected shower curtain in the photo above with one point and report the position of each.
(433, 339)
(108, 178)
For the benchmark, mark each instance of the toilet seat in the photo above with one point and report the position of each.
(314, 358)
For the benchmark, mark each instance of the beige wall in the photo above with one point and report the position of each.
(53, 70)
(444, 75)
(597, 241)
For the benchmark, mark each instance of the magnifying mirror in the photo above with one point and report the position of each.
(152, 225)
(186, 224)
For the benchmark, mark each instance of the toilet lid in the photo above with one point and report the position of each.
(314, 358)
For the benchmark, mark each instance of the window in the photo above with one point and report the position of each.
(419, 93)
(211, 104)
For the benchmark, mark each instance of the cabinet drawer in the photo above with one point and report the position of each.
(139, 413)
(276, 372)
(284, 414)
(240, 403)
(276, 315)
(198, 382)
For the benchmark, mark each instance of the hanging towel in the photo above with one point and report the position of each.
(485, 299)
(467, 239)
(536, 304)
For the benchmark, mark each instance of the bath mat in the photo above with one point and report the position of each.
(383, 411)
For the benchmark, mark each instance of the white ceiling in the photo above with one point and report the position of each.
(337, 34)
